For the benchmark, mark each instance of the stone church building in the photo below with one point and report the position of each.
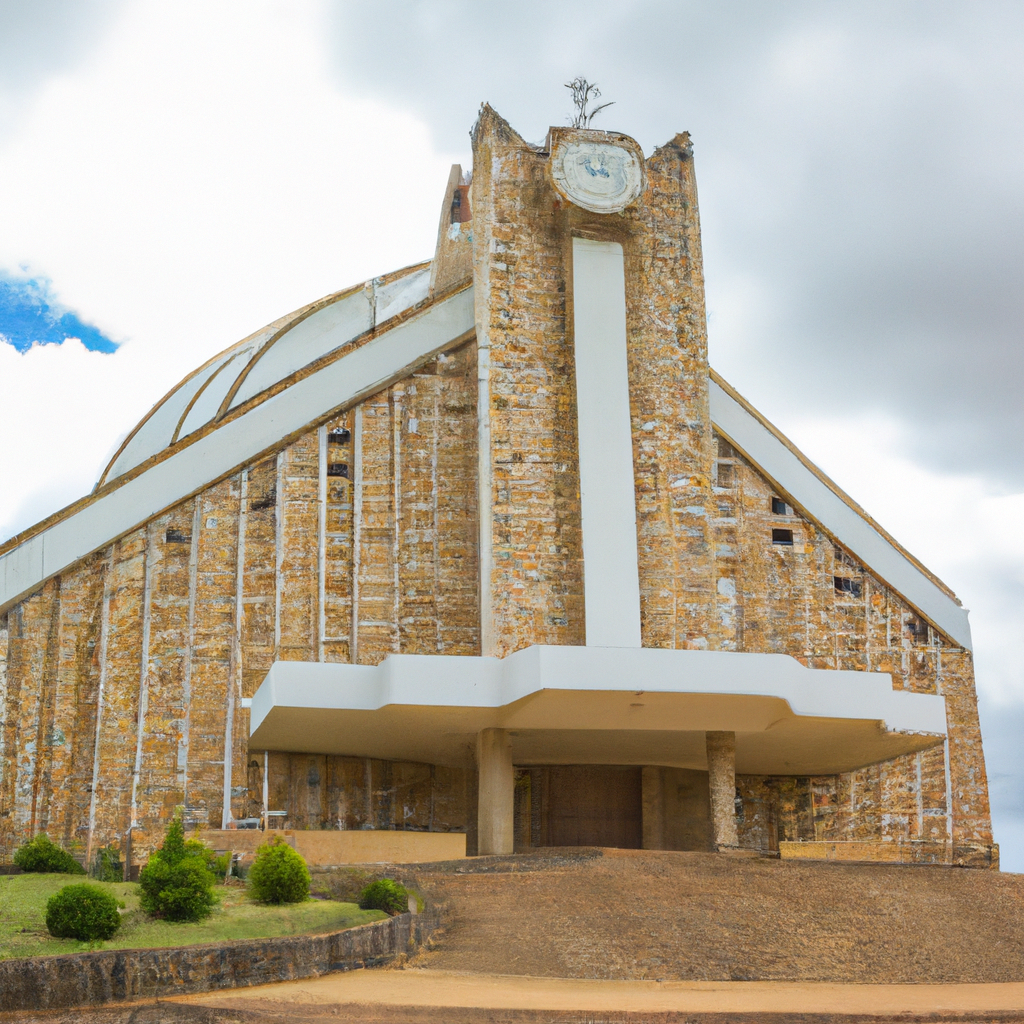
(485, 548)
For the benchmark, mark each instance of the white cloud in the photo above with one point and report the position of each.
(199, 176)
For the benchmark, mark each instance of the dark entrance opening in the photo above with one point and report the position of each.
(580, 805)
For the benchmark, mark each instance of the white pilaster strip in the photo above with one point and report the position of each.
(108, 583)
(321, 542)
(147, 625)
(186, 683)
(235, 674)
(611, 577)
(357, 517)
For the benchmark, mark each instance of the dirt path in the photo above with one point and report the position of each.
(443, 989)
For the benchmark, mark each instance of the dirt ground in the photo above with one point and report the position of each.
(589, 936)
(705, 917)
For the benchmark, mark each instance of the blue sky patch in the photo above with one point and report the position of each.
(30, 315)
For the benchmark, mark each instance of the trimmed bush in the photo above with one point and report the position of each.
(46, 857)
(387, 895)
(177, 883)
(278, 874)
(85, 912)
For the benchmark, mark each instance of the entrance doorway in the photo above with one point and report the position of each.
(580, 805)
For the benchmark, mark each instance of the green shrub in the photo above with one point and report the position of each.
(107, 866)
(217, 866)
(278, 874)
(82, 911)
(42, 855)
(177, 883)
(385, 894)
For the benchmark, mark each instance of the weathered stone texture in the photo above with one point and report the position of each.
(790, 599)
(30, 626)
(69, 741)
(52, 983)
(338, 539)
(536, 582)
(5, 710)
(170, 592)
(298, 572)
(213, 632)
(117, 721)
(442, 516)
(522, 240)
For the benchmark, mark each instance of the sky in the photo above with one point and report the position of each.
(175, 175)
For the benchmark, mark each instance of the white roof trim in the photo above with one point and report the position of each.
(390, 356)
(876, 551)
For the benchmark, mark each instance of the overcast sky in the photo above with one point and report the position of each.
(175, 175)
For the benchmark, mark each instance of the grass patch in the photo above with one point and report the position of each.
(23, 926)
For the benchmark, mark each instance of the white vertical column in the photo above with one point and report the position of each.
(611, 578)
(235, 667)
(357, 519)
(147, 626)
(321, 541)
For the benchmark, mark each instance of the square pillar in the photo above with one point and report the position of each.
(495, 792)
(721, 747)
(653, 808)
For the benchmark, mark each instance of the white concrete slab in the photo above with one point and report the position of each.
(597, 705)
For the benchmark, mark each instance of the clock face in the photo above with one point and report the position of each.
(599, 176)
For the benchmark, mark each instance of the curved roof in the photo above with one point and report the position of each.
(252, 366)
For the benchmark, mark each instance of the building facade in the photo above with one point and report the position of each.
(485, 546)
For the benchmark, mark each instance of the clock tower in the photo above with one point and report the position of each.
(595, 434)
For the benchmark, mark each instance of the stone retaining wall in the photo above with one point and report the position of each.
(84, 979)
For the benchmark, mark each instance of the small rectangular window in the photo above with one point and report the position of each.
(844, 585)
(177, 537)
(782, 537)
(726, 450)
(918, 629)
(339, 435)
(725, 475)
(780, 508)
(263, 501)
(337, 469)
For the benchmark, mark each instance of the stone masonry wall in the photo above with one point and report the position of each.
(814, 601)
(411, 524)
(121, 680)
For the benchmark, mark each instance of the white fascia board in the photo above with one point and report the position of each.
(348, 379)
(450, 681)
(396, 297)
(329, 328)
(872, 548)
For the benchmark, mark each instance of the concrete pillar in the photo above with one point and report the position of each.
(721, 747)
(653, 808)
(495, 791)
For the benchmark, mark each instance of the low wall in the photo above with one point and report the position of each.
(115, 975)
(913, 852)
(325, 848)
